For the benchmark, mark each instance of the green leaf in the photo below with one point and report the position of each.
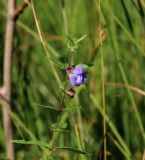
(43, 144)
(73, 43)
(63, 125)
(80, 39)
(85, 66)
(58, 64)
(70, 39)
(71, 149)
(38, 143)
(65, 85)
(54, 126)
(45, 106)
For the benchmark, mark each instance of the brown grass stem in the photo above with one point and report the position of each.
(103, 80)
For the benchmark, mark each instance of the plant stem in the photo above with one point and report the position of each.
(77, 133)
(103, 83)
(6, 94)
(43, 42)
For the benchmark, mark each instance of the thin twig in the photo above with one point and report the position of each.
(5, 90)
(6, 94)
(19, 10)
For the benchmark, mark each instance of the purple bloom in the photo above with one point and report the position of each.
(77, 75)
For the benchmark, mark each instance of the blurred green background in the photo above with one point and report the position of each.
(33, 80)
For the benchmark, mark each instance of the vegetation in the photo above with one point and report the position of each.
(50, 36)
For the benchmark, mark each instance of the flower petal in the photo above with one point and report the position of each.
(77, 76)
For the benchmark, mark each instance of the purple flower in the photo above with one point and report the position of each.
(77, 75)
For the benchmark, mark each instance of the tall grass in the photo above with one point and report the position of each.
(38, 73)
